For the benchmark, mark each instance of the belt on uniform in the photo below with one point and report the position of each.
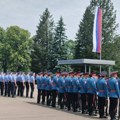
(101, 90)
(112, 90)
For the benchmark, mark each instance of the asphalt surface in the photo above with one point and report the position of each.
(27, 109)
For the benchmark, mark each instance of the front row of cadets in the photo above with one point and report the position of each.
(77, 91)
(14, 84)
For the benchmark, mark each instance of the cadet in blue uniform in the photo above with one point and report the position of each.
(83, 91)
(114, 94)
(61, 90)
(9, 84)
(6, 84)
(22, 84)
(102, 90)
(54, 89)
(43, 86)
(13, 84)
(91, 92)
(38, 79)
(69, 89)
(32, 84)
(48, 88)
(27, 83)
(18, 84)
(75, 84)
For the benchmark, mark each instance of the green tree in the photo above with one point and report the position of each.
(2, 48)
(83, 47)
(59, 49)
(17, 49)
(70, 46)
(42, 53)
(115, 52)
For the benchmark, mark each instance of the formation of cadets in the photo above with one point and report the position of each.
(78, 91)
(14, 84)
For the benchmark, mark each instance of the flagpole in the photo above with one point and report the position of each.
(100, 59)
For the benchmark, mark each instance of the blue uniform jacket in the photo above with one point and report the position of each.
(6, 78)
(102, 88)
(38, 80)
(48, 83)
(119, 83)
(113, 88)
(83, 85)
(91, 86)
(32, 79)
(61, 85)
(43, 82)
(75, 84)
(54, 83)
(26, 78)
(68, 84)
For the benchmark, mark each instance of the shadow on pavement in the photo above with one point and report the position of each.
(64, 110)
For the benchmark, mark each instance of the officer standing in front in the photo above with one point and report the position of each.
(102, 90)
(114, 94)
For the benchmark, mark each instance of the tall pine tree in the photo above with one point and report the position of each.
(59, 49)
(83, 47)
(42, 49)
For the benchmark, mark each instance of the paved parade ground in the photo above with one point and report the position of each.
(27, 109)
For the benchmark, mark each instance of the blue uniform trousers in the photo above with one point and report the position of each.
(1, 87)
(61, 100)
(32, 90)
(48, 93)
(84, 102)
(101, 106)
(27, 88)
(113, 107)
(39, 95)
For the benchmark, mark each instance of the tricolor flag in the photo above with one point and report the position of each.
(97, 30)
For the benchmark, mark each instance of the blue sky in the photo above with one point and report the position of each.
(26, 13)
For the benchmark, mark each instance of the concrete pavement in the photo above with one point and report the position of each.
(26, 109)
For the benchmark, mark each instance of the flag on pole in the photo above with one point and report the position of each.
(97, 30)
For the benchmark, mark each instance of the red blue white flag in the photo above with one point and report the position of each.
(97, 30)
